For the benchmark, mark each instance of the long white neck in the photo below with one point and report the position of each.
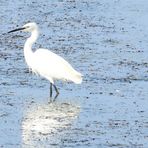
(28, 53)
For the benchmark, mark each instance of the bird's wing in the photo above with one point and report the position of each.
(52, 65)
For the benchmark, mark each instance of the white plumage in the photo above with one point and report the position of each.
(46, 63)
(58, 67)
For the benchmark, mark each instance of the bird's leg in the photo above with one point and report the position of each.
(50, 90)
(57, 92)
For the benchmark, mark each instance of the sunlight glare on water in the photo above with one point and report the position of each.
(43, 121)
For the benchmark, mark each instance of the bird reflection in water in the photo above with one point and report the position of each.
(42, 124)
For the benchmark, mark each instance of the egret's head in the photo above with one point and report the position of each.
(29, 27)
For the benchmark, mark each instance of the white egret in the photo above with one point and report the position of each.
(46, 63)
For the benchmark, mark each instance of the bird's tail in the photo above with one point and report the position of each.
(77, 78)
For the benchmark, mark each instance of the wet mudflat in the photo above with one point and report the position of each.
(107, 42)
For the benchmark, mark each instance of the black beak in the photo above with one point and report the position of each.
(18, 29)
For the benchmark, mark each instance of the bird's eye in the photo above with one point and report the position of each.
(27, 27)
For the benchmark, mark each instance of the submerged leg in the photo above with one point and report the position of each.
(57, 92)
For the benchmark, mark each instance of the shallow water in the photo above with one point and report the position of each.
(107, 42)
